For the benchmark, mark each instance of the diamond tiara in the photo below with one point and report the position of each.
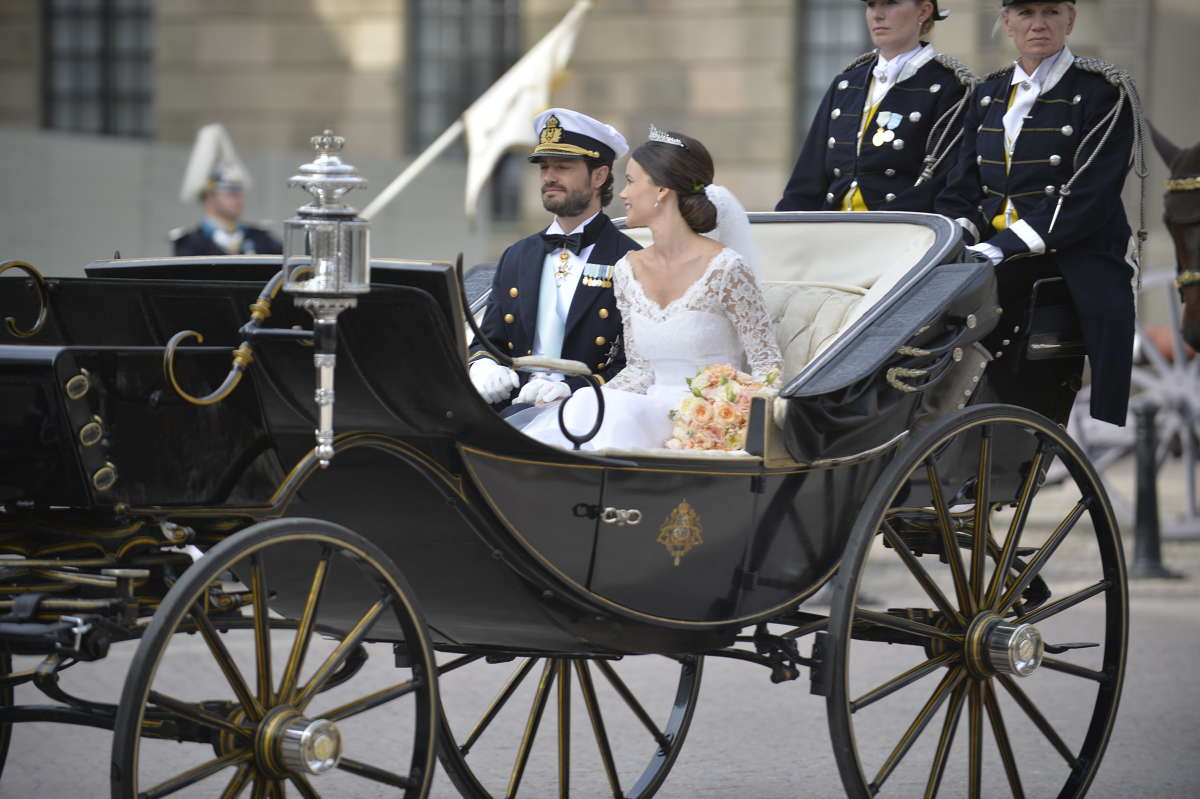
(664, 137)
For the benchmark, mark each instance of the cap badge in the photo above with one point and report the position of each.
(552, 132)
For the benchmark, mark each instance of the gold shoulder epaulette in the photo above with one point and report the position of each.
(961, 71)
(862, 59)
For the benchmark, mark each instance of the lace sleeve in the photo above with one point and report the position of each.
(637, 375)
(743, 302)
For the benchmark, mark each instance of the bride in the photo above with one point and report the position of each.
(686, 302)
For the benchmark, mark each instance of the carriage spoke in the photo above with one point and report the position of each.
(921, 576)
(1058, 606)
(262, 629)
(1016, 527)
(1038, 719)
(259, 791)
(983, 528)
(373, 773)
(945, 741)
(372, 701)
(339, 654)
(295, 661)
(238, 784)
(275, 790)
(531, 728)
(505, 694)
(593, 709)
(564, 728)
(194, 775)
(663, 741)
(198, 714)
(303, 786)
(948, 683)
(1001, 735)
(1043, 554)
(949, 545)
(233, 675)
(905, 625)
(1054, 664)
(975, 740)
(902, 680)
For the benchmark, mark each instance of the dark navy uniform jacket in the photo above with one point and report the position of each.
(831, 162)
(198, 241)
(592, 332)
(1089, 241)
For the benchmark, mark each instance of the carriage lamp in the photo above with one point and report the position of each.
(326, 264)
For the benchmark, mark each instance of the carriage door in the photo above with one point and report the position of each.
(671, 541)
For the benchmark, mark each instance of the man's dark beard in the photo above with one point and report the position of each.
(572, 203)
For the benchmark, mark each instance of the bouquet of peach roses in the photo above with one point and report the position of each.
(715, 412)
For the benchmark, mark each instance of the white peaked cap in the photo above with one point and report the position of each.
(213, 158)
(563, 133)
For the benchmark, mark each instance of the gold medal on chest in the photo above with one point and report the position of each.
(887, 122)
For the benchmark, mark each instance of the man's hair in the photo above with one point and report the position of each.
(606, 191)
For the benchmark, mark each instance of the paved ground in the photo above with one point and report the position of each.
(750, 738)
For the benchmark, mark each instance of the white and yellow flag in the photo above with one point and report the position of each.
(502, 117)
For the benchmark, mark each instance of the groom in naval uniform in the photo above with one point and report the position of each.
(552, 291)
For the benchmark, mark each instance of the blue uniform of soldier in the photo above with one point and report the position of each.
(1047, 144)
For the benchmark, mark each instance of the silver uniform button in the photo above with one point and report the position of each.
(1067, 130)
(843, 84)
(1055, 160)
(1077, 99)
(898, 144)
(837, 112)
(854, 184)
(1049, 189)
(829, 197)
(889, 196)
(915, 116)
(985, 101)
(837, 172)
(832, 141)
(1025, 85)
(891, 173)
(979, 159)
(935, 88)
(985, 190)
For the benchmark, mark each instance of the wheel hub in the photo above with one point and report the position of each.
(288, 742)
(995, 646)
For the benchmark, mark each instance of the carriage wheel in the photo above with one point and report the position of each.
(992, 602)
(636, 712)
(254, 708)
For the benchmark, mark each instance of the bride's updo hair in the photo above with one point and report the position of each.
(687, 170)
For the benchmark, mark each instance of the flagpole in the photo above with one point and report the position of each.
(418, 165)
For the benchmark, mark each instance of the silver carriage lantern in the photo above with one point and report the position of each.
(326, 264)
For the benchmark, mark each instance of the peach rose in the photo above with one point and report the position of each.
(702, 412)
(725, 412)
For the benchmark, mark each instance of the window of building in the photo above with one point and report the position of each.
(829, 35)
(97, 60)
(456, 50)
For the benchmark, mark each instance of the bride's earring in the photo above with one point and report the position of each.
(656, 203)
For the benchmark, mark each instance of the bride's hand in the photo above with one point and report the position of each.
(543, 392)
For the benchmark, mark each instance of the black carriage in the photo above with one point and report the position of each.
(151, 493)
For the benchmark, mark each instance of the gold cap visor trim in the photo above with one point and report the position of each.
(561, 149)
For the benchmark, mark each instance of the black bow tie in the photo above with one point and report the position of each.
(563, 241)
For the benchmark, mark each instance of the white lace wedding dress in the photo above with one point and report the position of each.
(720, 319)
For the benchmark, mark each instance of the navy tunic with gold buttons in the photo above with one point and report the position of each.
(918, 121)
(1056, 201)
(592, 330)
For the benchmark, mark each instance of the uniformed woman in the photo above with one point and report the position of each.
(1046, 146)
(885, 134)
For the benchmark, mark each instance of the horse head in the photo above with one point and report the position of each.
(1182, 215)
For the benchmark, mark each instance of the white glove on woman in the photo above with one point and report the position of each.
(493, 381)
(543, 392)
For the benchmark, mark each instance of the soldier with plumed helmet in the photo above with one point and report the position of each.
(884, 136)
(552, 292)
(1037, 188)
(217, 179)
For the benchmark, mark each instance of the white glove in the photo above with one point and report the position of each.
(543, 392)
(988, 251)
(493, 381)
